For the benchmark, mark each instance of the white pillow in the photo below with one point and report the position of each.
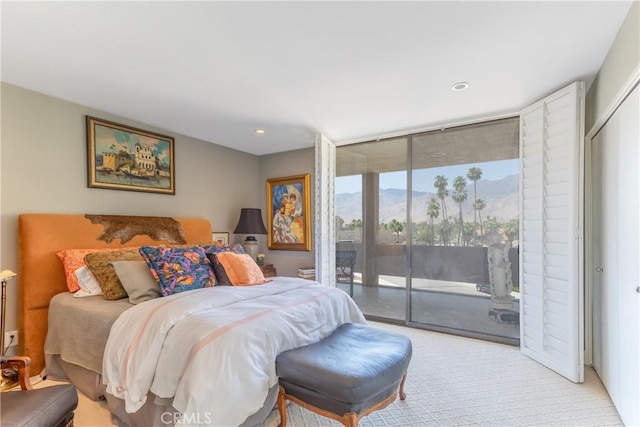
(89, 285)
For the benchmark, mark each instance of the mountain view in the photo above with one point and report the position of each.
(500, 196)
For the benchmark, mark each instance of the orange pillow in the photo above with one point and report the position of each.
(241, 269)
(73, 259)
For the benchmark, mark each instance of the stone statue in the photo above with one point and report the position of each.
(499, 272)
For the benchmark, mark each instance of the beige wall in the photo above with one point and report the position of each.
(279, 165)
(43, 169)
(623, 58)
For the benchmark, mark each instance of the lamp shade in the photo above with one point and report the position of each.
(7, 274)
(250, 222)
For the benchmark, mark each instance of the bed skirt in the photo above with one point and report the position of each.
(153, 414)
(156, 412)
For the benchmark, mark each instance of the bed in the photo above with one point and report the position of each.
(202, 357)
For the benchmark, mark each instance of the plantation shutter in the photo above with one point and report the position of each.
(551, 247)
(325, 241)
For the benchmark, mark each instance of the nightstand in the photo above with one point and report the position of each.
(268, 270)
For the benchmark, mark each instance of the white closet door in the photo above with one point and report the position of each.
(616, 241)
(551, 251)
(627, 263)
(325, 239)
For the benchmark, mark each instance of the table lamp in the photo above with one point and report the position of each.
(250, 223)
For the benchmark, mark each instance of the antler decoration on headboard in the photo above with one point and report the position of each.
(126, 228)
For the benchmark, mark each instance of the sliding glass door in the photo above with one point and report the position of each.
(431, 220)
(371, 213)
(464, 255)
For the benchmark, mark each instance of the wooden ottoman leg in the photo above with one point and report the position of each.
(401, 394)
(282, 407)
(351, 419)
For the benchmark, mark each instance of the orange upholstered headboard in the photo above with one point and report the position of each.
(41, 273)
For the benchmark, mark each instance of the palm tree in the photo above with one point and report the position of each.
(420, 230)
(459, 196)
(512, 230)
(492, 224)
(396, 227)
(446, 228)
(441, 184)
(474, 175)
(468, 233)
(433, 210)
(479, 205)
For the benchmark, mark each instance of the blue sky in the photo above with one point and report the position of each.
(423, 178)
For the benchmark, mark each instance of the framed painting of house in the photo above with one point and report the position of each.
(289, 213)
(125, 158)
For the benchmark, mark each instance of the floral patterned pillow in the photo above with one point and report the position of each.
(178, 269)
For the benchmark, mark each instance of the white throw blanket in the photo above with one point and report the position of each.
(213, 350)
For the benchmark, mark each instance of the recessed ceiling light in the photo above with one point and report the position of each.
(260, 131)
(460, 86)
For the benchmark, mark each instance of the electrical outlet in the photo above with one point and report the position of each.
(7, 338)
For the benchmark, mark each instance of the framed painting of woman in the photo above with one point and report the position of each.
(289, 213)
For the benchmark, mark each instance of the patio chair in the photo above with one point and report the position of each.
(345, 263)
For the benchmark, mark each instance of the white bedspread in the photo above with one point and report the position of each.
(213, 350)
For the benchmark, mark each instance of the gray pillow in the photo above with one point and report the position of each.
(137, 280)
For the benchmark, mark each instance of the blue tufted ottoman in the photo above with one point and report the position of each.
(353, 372)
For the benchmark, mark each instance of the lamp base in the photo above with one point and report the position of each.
(251, 248)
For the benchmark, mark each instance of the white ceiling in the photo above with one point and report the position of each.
(351, 70)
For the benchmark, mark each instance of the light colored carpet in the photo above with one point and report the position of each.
(456, 381)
